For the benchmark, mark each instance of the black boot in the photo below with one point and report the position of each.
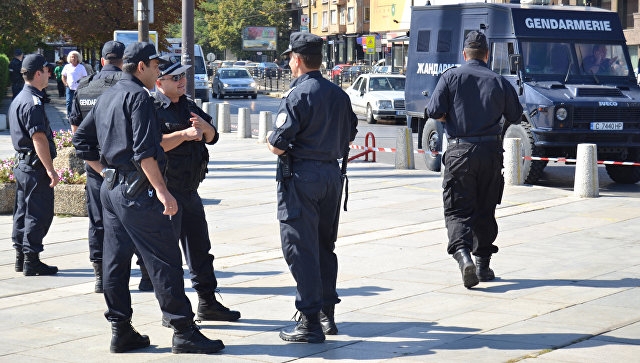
(19, 261)
(467, 268)
(187, 338)
(125, 338)
(145, 282)
(482, 268)
(33, 266)
(307, 330)
(327, 321)
(210, 309)
(97, 270)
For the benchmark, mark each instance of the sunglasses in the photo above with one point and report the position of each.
(177, 77)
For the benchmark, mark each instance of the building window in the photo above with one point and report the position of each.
(314, 20)
(343, 14)
(325, 19)
(367, 15)
(424, 38)
(304, 2)
(334, 17)
(350, 15)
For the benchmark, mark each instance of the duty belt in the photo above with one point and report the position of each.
(475, 139)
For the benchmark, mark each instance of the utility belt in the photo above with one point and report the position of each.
(30, 158)
(135, 181)
(474, 139)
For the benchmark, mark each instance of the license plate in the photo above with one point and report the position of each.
(401, 113)
(607, 126)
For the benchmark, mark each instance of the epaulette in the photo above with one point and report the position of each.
(284, 95)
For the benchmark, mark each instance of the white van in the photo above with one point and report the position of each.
(200, 71)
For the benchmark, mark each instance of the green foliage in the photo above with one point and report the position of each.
(20, 26)
(6, 170)
(4, 75)
(68, 176)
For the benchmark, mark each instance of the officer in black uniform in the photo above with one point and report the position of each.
(35, 176)
(471, 100)
(121, 137)
(15, 73)
(186, 128)
(89, 89)
(314, 126)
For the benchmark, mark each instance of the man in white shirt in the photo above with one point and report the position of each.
(72, 73)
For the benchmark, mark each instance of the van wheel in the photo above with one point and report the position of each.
(623, 174)
(370, 118)
(432, 141)
(531, 169)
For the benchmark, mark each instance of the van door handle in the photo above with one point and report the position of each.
(425, 93)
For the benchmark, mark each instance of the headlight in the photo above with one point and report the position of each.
(252, 84)
(225, 84)
(561, 113)
(382, 104)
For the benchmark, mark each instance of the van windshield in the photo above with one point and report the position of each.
(546, 58)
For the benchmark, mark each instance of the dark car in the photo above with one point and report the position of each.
(338, 69)
(268, 69)
(353, 72)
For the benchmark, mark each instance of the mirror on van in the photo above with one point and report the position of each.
(515, 63)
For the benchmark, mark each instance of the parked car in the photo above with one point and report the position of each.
(268, 69)
(234, 81)
(383, 69)
(252, 68)
(339, 68)
(226, 64)
(240, 63)
(378, 96)
(354, 71)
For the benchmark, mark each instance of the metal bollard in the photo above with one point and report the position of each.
(404, 149)
(244, 123)
(512, 162)
(586, 183)
(265, 123)
(3, 122)
(224, 117)
(210, 109)
(198, 102)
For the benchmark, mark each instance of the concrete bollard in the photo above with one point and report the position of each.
(198, 102)
(586, 183)
(512, 162)
(265, 123)
(404, 149)
(244, 123)
(224, 117)
(210, 109)
(3, 122)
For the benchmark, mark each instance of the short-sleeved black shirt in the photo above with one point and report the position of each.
(26, 117)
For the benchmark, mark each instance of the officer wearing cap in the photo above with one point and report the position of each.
(471, 100)
(186, 130)
(35, 176)
(121, 137)
(15, 73)
(314, 126)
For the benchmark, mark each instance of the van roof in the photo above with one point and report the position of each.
(512, 6)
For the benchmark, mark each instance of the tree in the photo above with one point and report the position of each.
(19, 27)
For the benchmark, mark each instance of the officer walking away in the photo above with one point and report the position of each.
(35, 176)
(121, 137)
(314, 126)
(15, 73)
(89, 89)
(186, 130)
(471, 100)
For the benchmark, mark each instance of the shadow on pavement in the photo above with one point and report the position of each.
(520, 284)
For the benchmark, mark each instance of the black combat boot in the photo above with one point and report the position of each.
(482, 268)
(19, 261)
(97, 270)
(210, 309)
(33, 266)
(467, 268)
(307, 330)
(187, 338)
(327, 321)
(145, 281)
(125, 338)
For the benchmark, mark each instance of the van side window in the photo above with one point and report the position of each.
(444, 41)
(500, 52)
(424, 37)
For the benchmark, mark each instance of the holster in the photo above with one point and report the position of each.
(136, 181)
(30, 158)
(110, 178)
(284, 169)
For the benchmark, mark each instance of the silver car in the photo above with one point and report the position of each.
(234, 81)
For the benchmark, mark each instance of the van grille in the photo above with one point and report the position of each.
(598, 92)
(398, 104)
(583, 116)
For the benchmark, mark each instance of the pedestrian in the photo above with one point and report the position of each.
(35, 176)
(15, 75)
(186, 130)
(58, 73)
(470, 100)
(89, 89)
(314, 126)
(72, 73)
(121, 137)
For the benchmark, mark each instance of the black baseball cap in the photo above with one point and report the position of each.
(34, 62)
(140, 52)
(113, 49)
(171, 66)
(476, 40)
(17, 52)
(304, 43)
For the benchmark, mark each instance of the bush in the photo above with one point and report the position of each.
(67, 176)
(62, 138)
(6, 170)
(4, 75)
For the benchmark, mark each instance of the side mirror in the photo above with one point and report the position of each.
(515, 63)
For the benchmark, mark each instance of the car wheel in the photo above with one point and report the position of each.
(531, 169)
(370, 118)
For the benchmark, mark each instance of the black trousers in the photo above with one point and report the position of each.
(473, 185)
(139, 223)
(190, 224)
(33, 207)
(308, 210)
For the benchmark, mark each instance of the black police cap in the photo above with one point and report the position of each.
(34, 62)
(476, 40)
(113, 49)
(17, 52)
(171, 66)
(140, 52)
(304, 43)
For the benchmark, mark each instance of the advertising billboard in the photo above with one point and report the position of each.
(131, 36)
(259, 38)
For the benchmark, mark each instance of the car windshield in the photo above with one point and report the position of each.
(545, 58)
(234, 73)
(386, 84)
(270, 65)
(227, 64)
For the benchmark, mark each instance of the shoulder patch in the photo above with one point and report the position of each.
(149, 92)
(281, 119)
(284, 95)
(452, 67)
(36, 100)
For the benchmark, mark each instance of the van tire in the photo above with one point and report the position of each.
(432, 141)
(370, 118)
(531, 169)
(624, 174)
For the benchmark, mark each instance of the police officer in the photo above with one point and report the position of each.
(35, 176)
(314, 126)
(121, 137)
(15, 73)
(89, 89)
(471, 100)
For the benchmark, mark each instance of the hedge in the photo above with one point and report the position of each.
(4, 75)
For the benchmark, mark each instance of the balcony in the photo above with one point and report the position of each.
(338, 2)
(338, 29)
